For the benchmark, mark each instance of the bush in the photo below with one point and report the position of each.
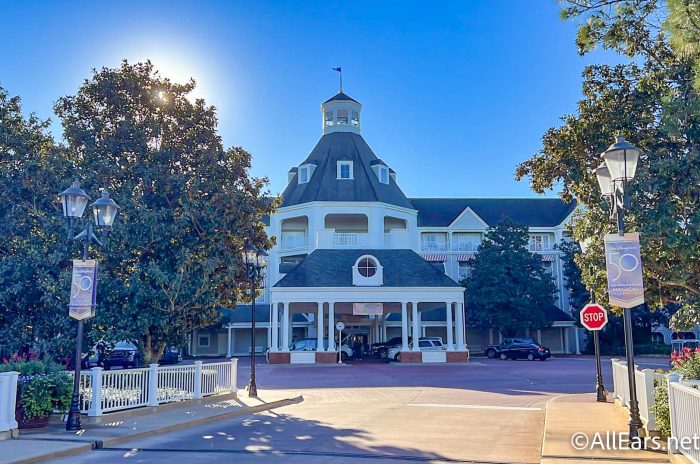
(687, 363)
(660, 408)
(42, 387)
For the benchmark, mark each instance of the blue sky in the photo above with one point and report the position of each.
(455, 93)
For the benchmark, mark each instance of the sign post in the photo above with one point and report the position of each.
(594, 317)
(340, 327)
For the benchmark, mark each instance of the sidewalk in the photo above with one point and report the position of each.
(115, 428)
(581, 414)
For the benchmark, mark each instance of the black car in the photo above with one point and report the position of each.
(492, 351)
(379, 350)
(171, 355)
(124, 354)
(529, 351)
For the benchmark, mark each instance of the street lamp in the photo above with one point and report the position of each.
(74, 201)
(600, 388)
(254, 261)
(621, 160)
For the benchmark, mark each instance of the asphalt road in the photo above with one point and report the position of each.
(490, 411)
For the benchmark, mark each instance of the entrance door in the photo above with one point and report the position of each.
(358, 340)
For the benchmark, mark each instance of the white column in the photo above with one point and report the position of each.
(228, 347)
(275, 331)
(461, 328)
(319, 328)
(416, 326)
(449, 326)
(331, 326)
(404, 327)
(539, 336)
(285, 326)
(385, 318)
(578, 345)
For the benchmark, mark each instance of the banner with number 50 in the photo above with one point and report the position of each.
(624, 264)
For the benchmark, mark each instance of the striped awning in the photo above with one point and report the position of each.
(466, 256)
(435, 257)
(548, 257)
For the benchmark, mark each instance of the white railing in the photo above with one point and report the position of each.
(644, 382)
(8, 397)
(684, 408)
(433, 246)
(350, 240)
(465, 246)
(387, 240)
(294, 241)
(105, 391)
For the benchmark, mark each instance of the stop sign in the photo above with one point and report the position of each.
(594, 316)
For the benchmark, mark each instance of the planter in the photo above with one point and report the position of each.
(33, 423)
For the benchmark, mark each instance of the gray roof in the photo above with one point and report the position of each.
(341, 96)
(324, 186)
(532, 212)
(242, 313)
(333, 268)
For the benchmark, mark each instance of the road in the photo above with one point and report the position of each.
(490, 411)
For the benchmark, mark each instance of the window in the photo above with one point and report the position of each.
(424, 344)
(366, 267)
(539, 242)
(434, 242)
(465, 269)
(203, 341)
(355, 121)
(344, 170)
(303, 175)
(342, 117)
(384, 175)
(329, 118)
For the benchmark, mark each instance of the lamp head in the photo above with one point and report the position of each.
(74, 200)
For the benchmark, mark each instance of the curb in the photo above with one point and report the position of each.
(98, 444)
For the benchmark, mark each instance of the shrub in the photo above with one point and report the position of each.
(660, 408)
(42, 387)
(687, 363)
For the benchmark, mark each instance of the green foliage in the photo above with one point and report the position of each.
(43, 387)
(651, 100)
(687, 363)
(660, 408)
(508, 288)
(578, 294)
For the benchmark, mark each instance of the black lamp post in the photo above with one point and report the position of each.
(600, 388)
(74, 201)
(254, 261)
(619, 167)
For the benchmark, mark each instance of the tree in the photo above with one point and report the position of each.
(579, 296)
(508, 288)
(651, 100)
(33, 251)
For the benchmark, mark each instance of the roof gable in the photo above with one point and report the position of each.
(468, 219)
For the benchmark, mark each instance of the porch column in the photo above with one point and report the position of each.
(285, 326)
(449, 326)
(461, 342)
(416, 326)
(331, 326)
(319, 328)
(404, 327)
(578, 345)
(275, 327)
(539, 336)
(385, 318)
(228, 349)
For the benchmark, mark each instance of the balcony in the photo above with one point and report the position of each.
(539, 247)
(465, 246)
(294, 241)
(351, 240)
(427, 245)
(396, 239)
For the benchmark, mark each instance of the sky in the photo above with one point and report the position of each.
(455, 94)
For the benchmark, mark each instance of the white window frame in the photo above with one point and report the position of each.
(339, 170)
(201, 337)
(383, 175)
(305, 170)
(328, 121)
(355, 118)
(539, 242)
(342, 118)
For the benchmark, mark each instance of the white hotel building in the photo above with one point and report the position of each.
(346, 234)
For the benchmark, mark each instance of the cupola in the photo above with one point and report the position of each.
(341, 113)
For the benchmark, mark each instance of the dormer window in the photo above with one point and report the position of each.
(303, 175)
(328, 117)
(342, 117)
(383, 175)
(344, 170)
(367, 267)
(355, 120)
(367, 272)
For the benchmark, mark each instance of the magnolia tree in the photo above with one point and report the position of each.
(651, 100)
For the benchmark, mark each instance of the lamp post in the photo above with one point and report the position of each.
(618, 168)
(74, 201)
(254, 261)
(600, 388)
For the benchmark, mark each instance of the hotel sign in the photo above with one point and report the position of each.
(83, 289)
(624, 264)
(367, 309)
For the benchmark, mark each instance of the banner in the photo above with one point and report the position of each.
(83, 289)
(367, 309)
(624, 264)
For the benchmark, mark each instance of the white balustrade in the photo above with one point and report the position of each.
(644, 383)
(684, 408)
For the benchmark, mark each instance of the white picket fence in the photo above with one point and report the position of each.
(105, 391)
(644, 380)
(8, 396)
(684, 406)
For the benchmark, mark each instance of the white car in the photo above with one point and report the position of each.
(309, 344)
(424, 344)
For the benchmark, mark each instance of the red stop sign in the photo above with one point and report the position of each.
(594, 316)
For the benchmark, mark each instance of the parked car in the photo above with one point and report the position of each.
(529, 351)
(492, 351)
(124, 354)
(380, 350)
(171, 355)
(309, 344)
(424, 344)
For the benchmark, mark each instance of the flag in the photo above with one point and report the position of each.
(339, 69)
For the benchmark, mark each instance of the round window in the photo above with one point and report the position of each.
(367, 267)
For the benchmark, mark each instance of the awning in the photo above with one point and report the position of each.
(435, 257)
(466, 256)
(548, 257)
